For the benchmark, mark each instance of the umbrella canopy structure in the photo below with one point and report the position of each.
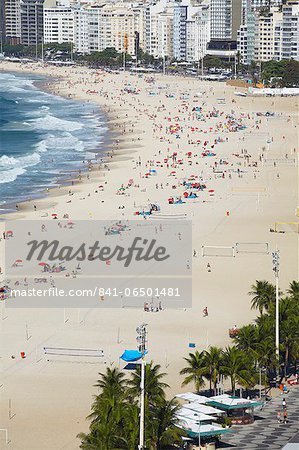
(190, 397)
(185, 413)
(203, 409)
(131, 355)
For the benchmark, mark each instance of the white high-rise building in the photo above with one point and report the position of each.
(58, 25)
(117, 27)
(159, 29)
(82, 18)
(97, 27)
(266, 32)
(198, 34)
(247, 30)
(290, 31)
(225, 19)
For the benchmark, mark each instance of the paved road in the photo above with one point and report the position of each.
(265, 432)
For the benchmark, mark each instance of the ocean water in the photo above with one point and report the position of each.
(43, 137)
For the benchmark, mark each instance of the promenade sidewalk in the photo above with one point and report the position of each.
(266, 432)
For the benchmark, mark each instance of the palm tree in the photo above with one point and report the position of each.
(212, 364)
(294, 290)
(130, 427)
(239, 368)
(266, 357)
(164, 424)
(195, 370)
(107, 412)
(266, 326)
(289, 328)
(92, 440)
(104, 429)
(111, 381)
(153, 386)
(263, 295)
(247, 339)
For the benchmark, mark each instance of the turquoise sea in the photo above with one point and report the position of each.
(43, 137)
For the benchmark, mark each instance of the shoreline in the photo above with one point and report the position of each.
(244, 197)
(49, 85)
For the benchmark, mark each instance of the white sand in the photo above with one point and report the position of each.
(50, 400)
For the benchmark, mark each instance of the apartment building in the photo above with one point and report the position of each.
(58, 24)
(11, 26)
(290, 31)
(99, 26)
(32, 23)
(225, 19)
(266, 31)
(180, 14)
(198, 34)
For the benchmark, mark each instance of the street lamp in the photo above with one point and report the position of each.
(142, 341)
(275, 262)
(260, 378)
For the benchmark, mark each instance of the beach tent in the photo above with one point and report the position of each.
(185, 413)
(131, 355)
(193, 429)
(190, 397)
(203, 409)
(227, 402)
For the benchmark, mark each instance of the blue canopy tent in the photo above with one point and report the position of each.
(131, 355)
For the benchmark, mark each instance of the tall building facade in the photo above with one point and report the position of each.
(180, 14)
(226, 18)
(97, 27)
(198, 34)
(32, 23)
(290, 31)
(2, 21)
(269, 30)
(266, 32)
(58, 24)
(12, 21)
(247, 30)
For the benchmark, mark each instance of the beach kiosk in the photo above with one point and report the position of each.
(199, 421)
(239, 410)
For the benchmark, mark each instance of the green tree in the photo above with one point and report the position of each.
(293, 290)
(164, 424)
(247, 339)
(195, 370)
(104, 429)
(130, 427)
(253, 68)
(290, 76)
(289, 329)
(239, 368)
(154, 386)
(263, 294)
(212, 366)
(111, 382)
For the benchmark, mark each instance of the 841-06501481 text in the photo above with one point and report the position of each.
(98, 291)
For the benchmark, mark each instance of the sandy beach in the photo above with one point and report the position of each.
(184, 130)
